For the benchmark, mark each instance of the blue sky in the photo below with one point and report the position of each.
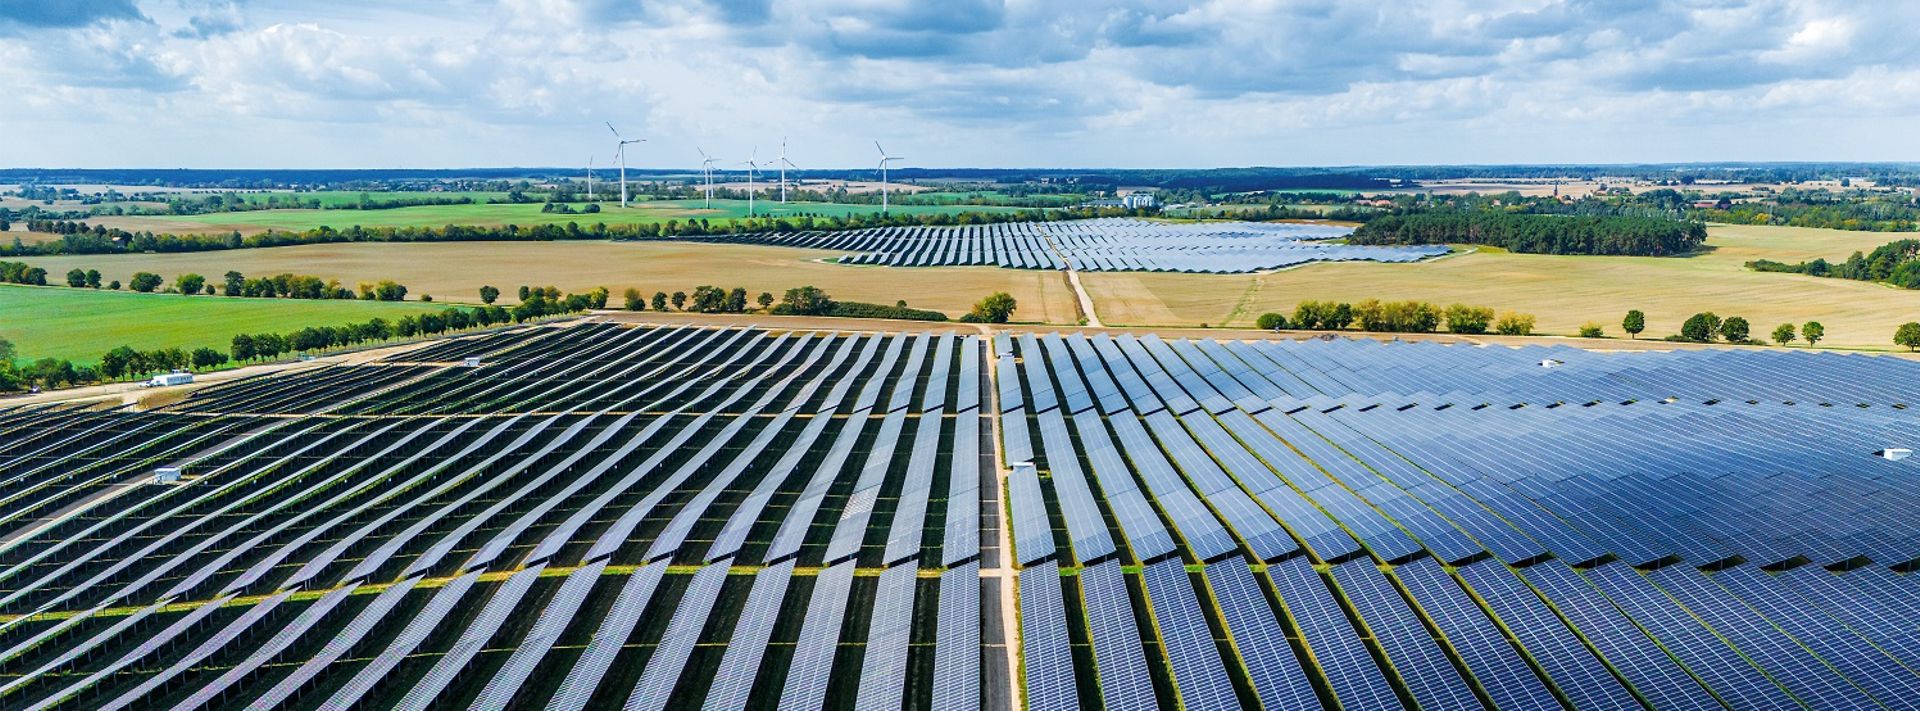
(1042, 83)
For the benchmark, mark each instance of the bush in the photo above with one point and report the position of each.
(1462, 318)
(1270, 322)
(1514, 324)
(1592, 329)
(145, 282)
(1397, 316)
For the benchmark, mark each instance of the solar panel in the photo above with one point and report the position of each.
(1044, 651)
(956, 649)
(1124, 679)
(1278, 678)
(807, 674)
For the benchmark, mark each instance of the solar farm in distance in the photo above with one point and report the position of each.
(1098, 245)
(594, 515)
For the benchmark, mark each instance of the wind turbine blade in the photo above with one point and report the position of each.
(616, 133)
(876, 145)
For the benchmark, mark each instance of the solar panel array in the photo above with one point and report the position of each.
(726, 518)
(597, 516)
(1367, 524)
(1097, 245)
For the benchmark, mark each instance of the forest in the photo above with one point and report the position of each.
(1537, 234)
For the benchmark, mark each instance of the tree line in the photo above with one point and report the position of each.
(798, 301)
(1397, 317)
(233, 283)
(1896, 263)
(1536, 234)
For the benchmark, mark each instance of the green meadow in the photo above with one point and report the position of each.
(81, 324)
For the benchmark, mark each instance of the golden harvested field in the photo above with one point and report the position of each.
(455, 271)
(1562, 291)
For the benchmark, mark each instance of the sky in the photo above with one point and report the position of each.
(954, 83)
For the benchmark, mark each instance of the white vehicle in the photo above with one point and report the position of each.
(177, 377)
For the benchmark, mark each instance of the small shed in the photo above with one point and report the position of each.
(1894, 453)
(1551, 363)
(471, 362)
(177, 377)
(166, 475)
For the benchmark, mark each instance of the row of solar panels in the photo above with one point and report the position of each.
(378, 556)
(1643, 516)
(1111, 244)
(1220, 446)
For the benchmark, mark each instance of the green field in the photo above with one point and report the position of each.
(343, 198)
(81, 324)
(647, 212)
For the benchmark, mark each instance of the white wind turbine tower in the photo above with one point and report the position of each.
(706, 172)
(751, 164)
(622, 153)
(589, 178)
(784, 165)
(884, 158)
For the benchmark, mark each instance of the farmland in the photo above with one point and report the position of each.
(81, 324)
(1562, 291)
(455, 271)
(525, 214)
(654, 517)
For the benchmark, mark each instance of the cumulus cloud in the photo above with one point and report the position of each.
(1106, 82)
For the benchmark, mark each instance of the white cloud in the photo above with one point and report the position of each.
(1003, 82)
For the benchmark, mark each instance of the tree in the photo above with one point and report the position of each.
(709, 299)
(1700, 327)
(242, 348)
(1812, 332)
(680, 300)
(1735, 329)
(145, 282)
(659, 301)
(190, 284)
(737, 301)
(234, 284)
(93, 278)
(488, 294)
(996, 308)
(1908, 335)
(119, 362)
(1514, 324)
(806, 301)
(204, 357)
(1634, 323)
(1462, 318)
(635, 301)
(525, 292)
(76, 278)
(115, 286)
(1270, 322)
(1783, 334)
(765, 300)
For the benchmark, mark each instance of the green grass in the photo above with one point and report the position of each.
(646, 212)
(81, 324)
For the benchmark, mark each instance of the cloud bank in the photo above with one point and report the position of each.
(1114, 83)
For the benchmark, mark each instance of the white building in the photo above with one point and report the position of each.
(1138, 201)
(166, 379)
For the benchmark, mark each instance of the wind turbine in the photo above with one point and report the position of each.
(884, 158)
(751, 164)
(589, 178)
(784, 165)
(622, 153)
(706, 172)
